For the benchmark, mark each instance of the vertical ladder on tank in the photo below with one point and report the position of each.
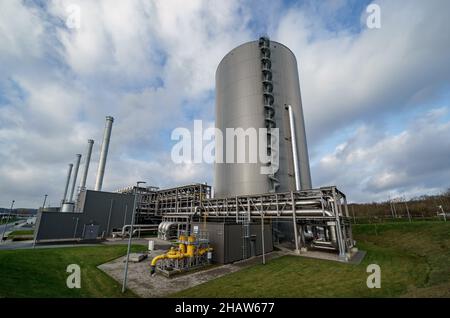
(269, 110)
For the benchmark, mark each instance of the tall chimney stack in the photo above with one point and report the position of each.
(104, 153)
(86, 165)
(75, 174)
(67, 183)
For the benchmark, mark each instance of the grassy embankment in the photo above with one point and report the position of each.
(42, 272)
(414, 260)
(21, 235)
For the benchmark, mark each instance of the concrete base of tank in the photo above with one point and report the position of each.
(143, 284)
(354, 257)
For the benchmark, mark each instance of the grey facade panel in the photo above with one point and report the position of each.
(217, 236)
(55, 225)
(234, 242)
(105, 209)
(227, 240)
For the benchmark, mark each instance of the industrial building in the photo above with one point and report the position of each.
(257, 86)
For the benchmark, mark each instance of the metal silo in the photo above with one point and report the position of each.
(255, 84)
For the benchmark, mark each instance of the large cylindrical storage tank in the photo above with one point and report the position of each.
(242, 102)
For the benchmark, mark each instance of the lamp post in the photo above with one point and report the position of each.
(7, 221)
(125, 274)
(43, 206)
(45, 200)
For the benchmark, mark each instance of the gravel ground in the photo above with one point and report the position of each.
(143, 284)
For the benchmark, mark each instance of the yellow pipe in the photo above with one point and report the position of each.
(156, 259)
(182, 246)
(191, 247)
(181, 252)
(204, 250)
(190, 250)
(176, 256)
(172, 253)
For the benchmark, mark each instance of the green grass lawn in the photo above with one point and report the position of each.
(42, 272)
(21, 232)
(414, 260)
(21, 235)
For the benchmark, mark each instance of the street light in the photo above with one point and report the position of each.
(125, 275)
(7, 221)
(43, 206)
(45, 200)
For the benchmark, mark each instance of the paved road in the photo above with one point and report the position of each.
(29, 244)
(10, 227)
(9, 245)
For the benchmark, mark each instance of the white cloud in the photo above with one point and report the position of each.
(22, 39)
(401, 164)
(139, 61)
(346, 77)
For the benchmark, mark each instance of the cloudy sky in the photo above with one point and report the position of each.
(376, 101)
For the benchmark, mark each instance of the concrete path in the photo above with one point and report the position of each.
(355, 257)
(159, 244)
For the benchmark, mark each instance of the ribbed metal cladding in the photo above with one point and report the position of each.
(241, 102)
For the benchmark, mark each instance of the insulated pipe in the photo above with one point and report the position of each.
(69, 172)
(268, 213)
(86, 165)
(294, 148)
(139, 227)
(75, 174)
(104, 153)
(294, 222)
(332, 228)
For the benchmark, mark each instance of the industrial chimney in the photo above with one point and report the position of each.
(86, 165)
(66, 188)
(75, 174)
(104, 153)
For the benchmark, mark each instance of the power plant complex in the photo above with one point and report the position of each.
(254, 206)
